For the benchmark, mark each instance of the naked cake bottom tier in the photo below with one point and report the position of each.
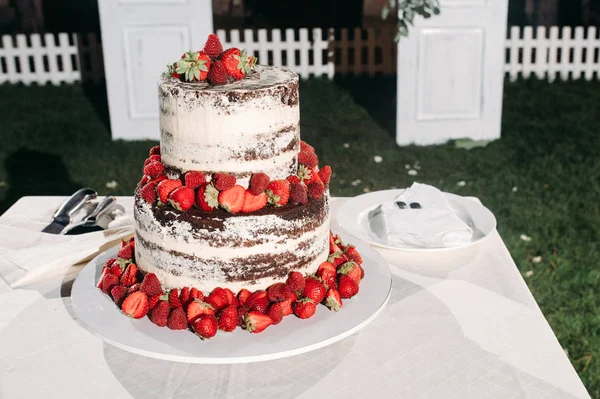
(209, 249)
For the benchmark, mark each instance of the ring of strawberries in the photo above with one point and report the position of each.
(220, 190)
(140, 295)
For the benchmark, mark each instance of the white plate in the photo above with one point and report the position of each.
(352, 217)
(97, 313)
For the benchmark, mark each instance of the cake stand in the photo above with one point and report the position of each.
(98, 314)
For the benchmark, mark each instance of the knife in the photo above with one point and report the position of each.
(89, 223)
(62, 217)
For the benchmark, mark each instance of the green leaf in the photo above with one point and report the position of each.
(385, 11)
(197, 73)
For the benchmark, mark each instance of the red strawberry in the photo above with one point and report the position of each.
(108, 282)
(315, 190)
(158, 179)
(155, 150)
(353, 254)
(258, 301)
(101, 279)
(351, 269)
(278, 192)
(325, 174)
(228, 319)
(117, 268)
(308, 174)
(129, 277)
(333, 300)
(275, 312)
(306, 147)
(337, 259)
(182, 198)
(198, 308)
(328, 274)
(151, 285)
(145, 179)
(223, 181)
(347, 287)
(232, 199)
(234, 62)
(205, 326)
(126, 252)
(256, 322)
(207, 197)
(148, 192)
(296, 282)
(314, 289)
(286, 307)
(217, 299)
(153, 301)
(218, 73)
(241, 311)
(278, 292)
(184, 297)
(205, 65)
(134, 288)
(195, 293)
(118, 292)
(177, 320)
(333, 246)
(135, 305)
(304, 308)
(160, 314)
(166, 187)
(230, 298)
(293, 179)
(154, 169)
(213, 46)
(308, 158)
(194, 179)
(254, 202)
(174, 300)
(152, 158)
(258, 183)
(243, 296)
(298, 194)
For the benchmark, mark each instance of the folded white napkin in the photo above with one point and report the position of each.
(27, 255)
(434, 225)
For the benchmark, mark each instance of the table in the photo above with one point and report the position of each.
(459, 326)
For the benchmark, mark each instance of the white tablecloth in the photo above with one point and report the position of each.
(458, 325)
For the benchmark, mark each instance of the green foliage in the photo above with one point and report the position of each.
(407, 10)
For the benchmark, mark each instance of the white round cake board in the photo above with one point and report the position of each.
(97, 313)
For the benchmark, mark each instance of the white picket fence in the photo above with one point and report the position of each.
(546, 53)
(553, 52)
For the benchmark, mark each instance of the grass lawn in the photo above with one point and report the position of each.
(542, 179)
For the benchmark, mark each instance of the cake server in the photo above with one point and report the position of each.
(91, 220)
(62, 217)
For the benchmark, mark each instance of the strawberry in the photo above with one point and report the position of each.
(351, 269)
(207, 197)
(308, 158)
(152, 158)
(314, 289)
(243, 296)
(174, 300)
(118, 292)
(154, 150)
(232, 199)
(275, 312)
(218, 73)
(193, 66)
(117, 268)
(347, 287)
(325, 174)
(126, 252)
(305, 147)
(213, 46)
(241, 312)
(205, 326)
(286, 307)
(315, 189)
(258, 301)
(145, 179)
(230, 298)
(304, 308)
(254, 202)
(258, 183)
(217, 299)
(158, 179)
(182, 198)
(177, 320)
(198, 308)
(108, 282)
(228, 319)
(298, 194)
(134, 288)
(234, 62)
(148, 192)
(353, 254)
(105, 271)
(278, 292)
(293, 179)
(195, 293)
(278, 192)
(166, 187)
(223, 181)
(296, 282)
(328, 274)
(308, 174)
(194, 179)
(184, 296)
(333, 246)
(160, 314)
(256, 322)
(151, 285)
(333, 300)
(135, 305)
(153, 301)
(337, 258)
(129, 277)
(154, 169)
